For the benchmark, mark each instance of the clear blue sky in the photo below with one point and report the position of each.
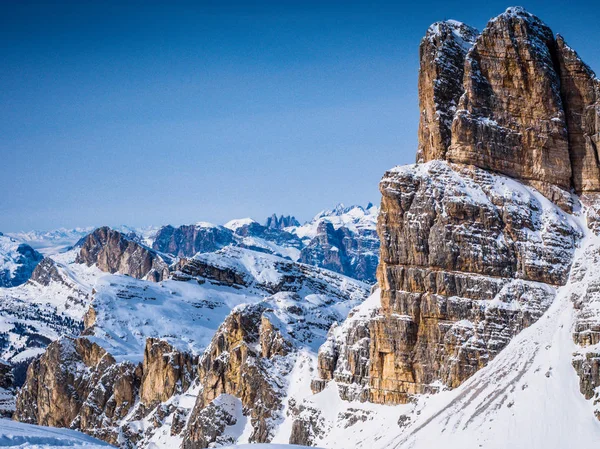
(151, 114)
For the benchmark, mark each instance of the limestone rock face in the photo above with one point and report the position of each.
(511, 118)
(586, 330)
(468, 259)
(580, 90)
(341, 251)
(71, 382)
(275, 222)
(166, 372)
(233, 366)
(442, 54)
(514, 100)
(46, 272)
(112, 252)
(77, 384)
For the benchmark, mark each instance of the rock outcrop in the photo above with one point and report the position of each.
(580, 91)
(113, 252)
(452, 294)
(77, 384)
(187, 240)
(275, 222)
(240, 362)
(470, 257)
(528, 105)
(46, 272)
(343, 251)
(166, 372)
(442, 54)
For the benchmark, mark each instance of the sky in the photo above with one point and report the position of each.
(148, 113)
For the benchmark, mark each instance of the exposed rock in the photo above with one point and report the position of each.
(342, 251)
(308, 425)
(586, 330)
(210, 423)
(7, 390)
(442, 55)
(46, 272)
(511, 119)
(274, 222)
(580, 90)
(232, 365)
(74, 380)
(112, 252)
(468, 259)
(187, 240)
(166, 372)
(529, 107)
(77, 384)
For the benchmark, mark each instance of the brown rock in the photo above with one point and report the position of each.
(112, 252)
(166, 372)
(510, 119)
(580, 90)
(232, 366)
(442, 55)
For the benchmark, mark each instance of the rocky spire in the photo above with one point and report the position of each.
(528, 108)
(442, 53)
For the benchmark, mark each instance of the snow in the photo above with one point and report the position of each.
(130, 310)
(46, 312)
(268, 446)
(238, 223)
(355, 218)
(19, 435)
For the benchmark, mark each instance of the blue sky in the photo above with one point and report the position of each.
(153, 113)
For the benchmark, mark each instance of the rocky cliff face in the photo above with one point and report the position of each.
(452, 296)
(470, 257)
(282, 222)
(500, 124)
(113, 252)
(187, 240)
(78, 384)
(442, 54)
(240, 362)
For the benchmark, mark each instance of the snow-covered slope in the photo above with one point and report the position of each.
(355, 218)
(17, 261)
(34, 314)
(127, 311)
(19, 435)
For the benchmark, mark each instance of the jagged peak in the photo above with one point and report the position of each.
(461, 33)
(562, 43)
(519, 13)
(237, 223)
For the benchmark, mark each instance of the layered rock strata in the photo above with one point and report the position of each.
(471, 253)
(468, 260)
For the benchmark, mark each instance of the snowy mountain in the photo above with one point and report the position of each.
(483, 329)
(343, 240)
(17, 261)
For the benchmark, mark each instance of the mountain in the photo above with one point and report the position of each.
(133, 363)
(483, 329)
(17, 261)
(343, 240)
